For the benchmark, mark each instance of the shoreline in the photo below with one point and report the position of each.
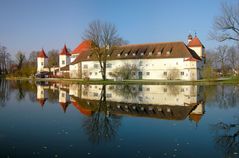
(159, 82)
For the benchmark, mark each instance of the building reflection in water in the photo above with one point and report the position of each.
(170, 102)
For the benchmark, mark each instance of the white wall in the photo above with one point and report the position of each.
(41, 62)
(150, 68)
(181, 95)
(198, 50)
(64, 58)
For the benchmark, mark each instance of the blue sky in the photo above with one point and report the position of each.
(28, 25)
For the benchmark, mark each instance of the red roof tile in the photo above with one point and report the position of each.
(64, 51)
(195, 117)
(41, 102)
(83, 110)
(195, 42)
(64, 105)
(144, 51)
(83, 46)
(42, 54)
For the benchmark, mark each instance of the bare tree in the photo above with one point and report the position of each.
(20, 58)
(226, 26)
(233, 59)
(124, 72)
(105, 38)
(173, 74)
(53, 58)
(33, 57)
(222, 57)
(4, 60)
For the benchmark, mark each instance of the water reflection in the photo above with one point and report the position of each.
(103, 108)
(227, 137)
(171, 102)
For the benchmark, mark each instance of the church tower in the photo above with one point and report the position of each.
(41, 61)
(64, 57)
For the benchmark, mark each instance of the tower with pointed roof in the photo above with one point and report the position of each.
(64, 57)
(196, 45)
(41, 61)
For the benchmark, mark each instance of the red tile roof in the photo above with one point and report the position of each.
(64, 105)
(195, 42)
(83, 110)
(64, 51)
(195, 117)
(41, 102)
(83, 46)
(42, 54)
(144, 51)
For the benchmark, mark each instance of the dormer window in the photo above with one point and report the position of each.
(108, 55)
(134, 54)
(150, 53)
(88, 57)
(159, 53)
(142, 54)
(118, 55)
(126, 54)
(168, 52)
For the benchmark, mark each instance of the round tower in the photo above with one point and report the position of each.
(41, 61)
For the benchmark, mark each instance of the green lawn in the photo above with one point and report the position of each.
(229, 80)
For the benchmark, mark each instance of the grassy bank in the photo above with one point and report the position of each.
(166, 82)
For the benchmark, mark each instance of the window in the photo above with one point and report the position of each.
(109, 95)
(140, 63)
(88, 57)
(63, 62)
(147, 73)
(95, 66)
(147, 89)
(134, 54)
(118, 55)
(133, 73)
(182, 73)
(42, 63)
(150, 53)
(126, 54)
(109, 65)
(159, 53)
(168, 52)
(165, 89)
(142, 54)
(176, 63)
(165, 73)
(95, 94)
(96, 73)
(90, 73)
(62, 95)
(85, 66)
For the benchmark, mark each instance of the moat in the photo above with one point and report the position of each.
(50, 119)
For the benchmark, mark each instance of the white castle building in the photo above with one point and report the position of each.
(159, 61)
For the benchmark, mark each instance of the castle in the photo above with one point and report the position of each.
(159, 61)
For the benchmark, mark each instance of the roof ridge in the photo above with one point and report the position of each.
(153, 43)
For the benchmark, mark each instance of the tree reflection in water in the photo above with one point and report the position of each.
(126, 91)
(4, 92)
(227, 137)
(102, 126)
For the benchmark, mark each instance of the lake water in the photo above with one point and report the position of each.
(150, 121)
